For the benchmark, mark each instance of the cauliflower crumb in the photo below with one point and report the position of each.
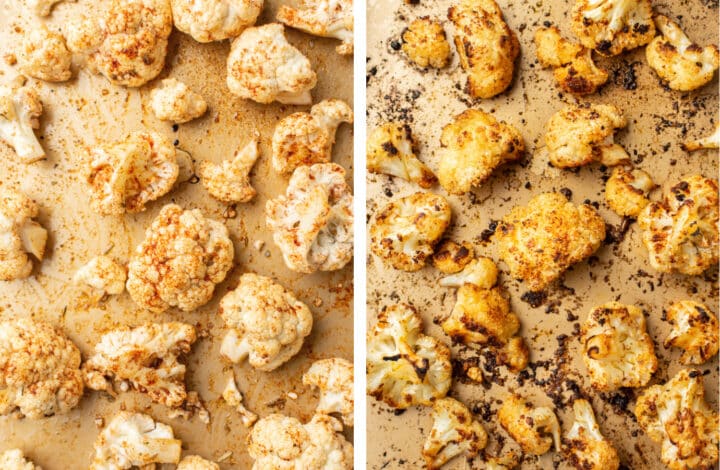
(174, 101)
(103, 274)
(195, 462)
(695, 330)
(454, 432)
(627, 190)
(334, 379)
(233, 397)
(585, 445)
(709, 142)
(20, 111)
(391, 150)
(229, 181)
(20, 235)
(613, 26)
(14, 459)
(425, 43)
(535, 429)
(451, 257)
(325, 18)
(42, 7)
(214, 20)
(44, 55)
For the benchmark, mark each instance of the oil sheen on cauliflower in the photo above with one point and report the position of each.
(184, 255)
(695, 330)
(626, 191)
(680, 231)
(229, 181)
(103, 274)
(20, 111)
(195, 462)
(44, 55)
(214, 20)
(391, 150)
(535, 429)
(334, 379)
(312, 222)
(451, 257)
(174, 101)
(39, 370)
(325, 18)
(454, 432)
(14, 459)
(613, 26)
(585, 446)
(676, 415)
(425, 43)
(20, 236)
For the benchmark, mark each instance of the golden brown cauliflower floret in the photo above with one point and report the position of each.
(676, 415)
(677, 60)
(214, 20)
(541, 240)
(425, 43)
(391, 150)
(20, 111)
(195, 462)
(14, 459)
(103, 274)
(404, 366)
(174, 101)
(20, 235)
(39, 370)
(695, 330)
(681, 231)
(613, 26)
(334, 379)
(230, 180)
(454, 432)
(535, 429)
(627, 190)
(325, 18)
(405, 231)
(184, 255)
(711, 141)
(233, 397)
(44, 55)
(451, 257)
(585, 446)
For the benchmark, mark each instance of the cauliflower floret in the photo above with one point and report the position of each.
(709, 142)
(267, 323)
(230, 180)
(681, 231)
(233, 397)
(15, 460)
(184, 255)
(128, 44)
(454, 432)
(334, 379)
(307, 138)
(42, 7)
(626, 191)
(391, 150)
(695, 330)
(486, 45)
(44, 55)
(481, 272)
(585, 446)
(613, 26)
(425, 43)
(677, 415)
(312, 223)
(214, 20)
(617, 350)
(20, 235)
(103, 274)
(404, 366)
(174, 101)
(135, 439)
(574, 69)
(282, 442)
(325, 18)
(264, 67)
(678, 61)
(535, 429)
(39, 370)
(195, 462)
(20, 111)
(473, 145)
(579, 135)
(451, 257)
(541, 240)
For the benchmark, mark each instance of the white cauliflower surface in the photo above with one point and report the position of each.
(585, 446)
(454, 432)
(174, 101)
(694, 330)
(195, 462)
(391, 150)
(535, 429)
(103, 274)
(44, 55)
(42, 7)
(613, 26)
(21, 237)
(214, 20)
(711, 141)
(20, 111)
(14, 459)
(334, 380)
(229, 181)
(233, 397)
(325, 18)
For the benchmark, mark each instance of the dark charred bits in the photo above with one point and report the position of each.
(388, 192)
(489, 232)
(483, 410)
(534, 299)
(397, 412)
(616, 233)
(395, 45)
(566, 192)
(371, 73)
(175, 127)
(624, 75)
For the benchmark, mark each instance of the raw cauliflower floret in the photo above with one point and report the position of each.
(391, 150)
(135, 440)
(627, 190)
(14, 459)
(230, 180)
(541, 240)
(103, 274)
(334, 379)
(678, 61)
(264, 67)
(39, 370)
(128, 44)
(195, 462)
(233, 397)
(425, 43)
(474, 144)
(613, 26)
(267, 323)
(307, 138)
(42, 7)
(174, 101)
(574, 69)
(579, 135)
(282, 442)
(325, 18)
(535, 429)
(454, 432)
(676, 415)
(711, 141)
(20, 235)
(214, 20)
(312, 223)
(617, 350)
(585, 446)
(20, 111)
(451, 257)
(184, 255)
(44, 55)
(123, 176)
(681, 231)
(404, 366)
(695, 330)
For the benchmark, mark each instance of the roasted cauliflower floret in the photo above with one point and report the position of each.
(334, 379)
(42, 7)
(676, 415)
(103, 274)
(425, 43)
(44, 55)
(264, 67)
(535, 429)
(454, 432)
(627, 190)
(613, 26)
(451, 257)
(404, 366)
(481, 272)
(391, 150)
(695, 330)
(325, 18)
(677, 60)
(541, 240)
(214, 20)
(20, 111)
(312, 223)
(711, 141)
(681, 231)
(14, 459)
(585, 446)
(184, 255)
(39, 370)
(20, 235)
(617, 350)
(195, 462)
(174, 101)
(229, 181)
(233, 397)
(307, 138)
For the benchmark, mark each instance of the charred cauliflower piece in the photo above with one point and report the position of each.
(454, 432)
(14, 459)
(325, 18)
(184, 255)
(195, 462)
(626, 191)
(585, 446)
(312, 223)
(214, 20)
(20, 235)
(391, 150)
(695, 330)
(103, 274)
(44, 55)
(709, 142)
(681, 231)
(230, 180)
(233, 397)
(535, 429)
(613, 26)
(20, 111)
(451, 257)
(174, 101)
(425, 43)
(676, 415)
(334, 379)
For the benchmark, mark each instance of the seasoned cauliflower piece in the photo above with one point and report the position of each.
(676, 415)
(20, 111)
(184, 255)
(214, 20)
(174, 101)
(626, 191)
(307, 138)
(535, 429)
(541, 240)
(267, 323)
(617, 350)
(678, 61)
(233, 397)
(195, 462)
(325, 18)
(42, 7)
(451, 257)
(44, 55)
(613, 26)
(264, 67)
(312, 223)
(709, 142)
(391, 150)
(334, 379)
(425, 43)
(230, 180)
(681, 231)
(20, 235)
(39, 370)
(695, 330)
(481, 272)
(454, 432)
(103, 274)
(14, 459)
(585, 446)
(404, 366)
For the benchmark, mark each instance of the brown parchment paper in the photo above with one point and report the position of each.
(88, 110)
(659, 119)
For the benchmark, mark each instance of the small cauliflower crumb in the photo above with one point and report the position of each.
(20, 111)
(14, 459)
(214, 20)
(451, 257)
(694, 330)
(627, 190)
(585, 446)
(391, 150)
(334, 379)
(233, 397)
(535, 429)
(44, 55)
(20, 235)
(325, 18)
(103, 274)
(454, 432)
(425, 43)
(229, 181)
(195, 462)
(613, 26)
(174, 101)
(711, 141)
